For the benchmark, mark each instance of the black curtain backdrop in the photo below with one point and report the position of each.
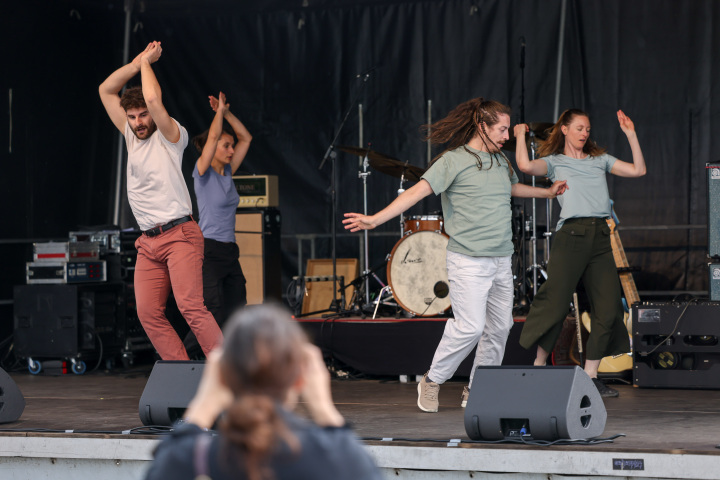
(290, 70)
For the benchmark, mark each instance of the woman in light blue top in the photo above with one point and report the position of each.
(223, 279)
(582, 248)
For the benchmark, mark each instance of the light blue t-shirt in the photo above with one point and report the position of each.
(475, 202)
(217, 203)
(587, 194)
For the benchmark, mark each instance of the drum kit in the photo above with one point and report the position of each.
(416, 271)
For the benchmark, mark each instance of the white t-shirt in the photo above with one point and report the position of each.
(156, 188)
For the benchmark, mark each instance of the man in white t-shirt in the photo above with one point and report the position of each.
(170, 250)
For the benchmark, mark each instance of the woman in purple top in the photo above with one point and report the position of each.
(223, 279)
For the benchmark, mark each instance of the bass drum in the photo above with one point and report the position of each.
(417, 273)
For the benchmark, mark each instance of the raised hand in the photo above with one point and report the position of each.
(316, 389)
(520, 130)
(215, 103)
(153, 52)
(626, 124)
(357, 221)
(136, 60)
(219, 102)
(212, 396)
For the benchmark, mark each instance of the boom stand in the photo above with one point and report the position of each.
(330, 153)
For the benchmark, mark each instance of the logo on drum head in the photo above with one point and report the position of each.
(411, 260)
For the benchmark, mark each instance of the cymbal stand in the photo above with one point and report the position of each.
(535, 267)
(548, 232)
(402, 214)
(361, 284)
(363, 175)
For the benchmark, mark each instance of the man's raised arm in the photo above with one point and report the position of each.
(112, 85)
(153, 94)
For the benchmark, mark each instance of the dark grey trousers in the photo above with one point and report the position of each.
(581, 250)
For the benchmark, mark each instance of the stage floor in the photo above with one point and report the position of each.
(653, 420)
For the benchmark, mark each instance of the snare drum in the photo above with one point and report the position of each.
(417, 273)
(423, 223)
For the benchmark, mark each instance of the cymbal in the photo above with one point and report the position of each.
(361, 152)
(385, 163)
(540, 129)
(397, 168)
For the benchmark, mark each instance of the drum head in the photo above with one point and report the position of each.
(416, 271)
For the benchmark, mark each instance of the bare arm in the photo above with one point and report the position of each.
(357, 221)
(637, 167)
(153, 94)
(242, 134)
(316, 390)
(212, 396)
(537, 167)
(213, 137)
(526, 191)
(112, 85)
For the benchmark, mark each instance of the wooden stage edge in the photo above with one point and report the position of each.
(72, 427)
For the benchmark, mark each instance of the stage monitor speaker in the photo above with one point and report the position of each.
(257, 233)
(168, 391)
(713, 188)
(714, 281)
(533, 403)
(12, 402)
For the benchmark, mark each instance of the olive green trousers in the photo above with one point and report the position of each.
(581, 250)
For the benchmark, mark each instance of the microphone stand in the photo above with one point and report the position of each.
(522, 253)
(332, 154)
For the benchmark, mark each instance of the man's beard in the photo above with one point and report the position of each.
(149, 130)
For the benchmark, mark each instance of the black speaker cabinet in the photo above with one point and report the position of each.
(168, 391)
(12, 402)
(64, 320)
(676, 345)
(257, 233)
(713, 186)
(46, 321)
(534, 403)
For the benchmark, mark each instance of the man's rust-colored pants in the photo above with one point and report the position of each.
(174, 260)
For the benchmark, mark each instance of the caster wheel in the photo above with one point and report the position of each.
(79, 367)
(34, 367)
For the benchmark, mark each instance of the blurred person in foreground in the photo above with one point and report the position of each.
(249, 389)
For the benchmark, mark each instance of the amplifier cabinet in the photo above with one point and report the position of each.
(65, 272)
(257, 191)
(257, 233)
(676, 345)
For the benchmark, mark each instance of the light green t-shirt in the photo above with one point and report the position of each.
(475, 202)
(587, 194)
